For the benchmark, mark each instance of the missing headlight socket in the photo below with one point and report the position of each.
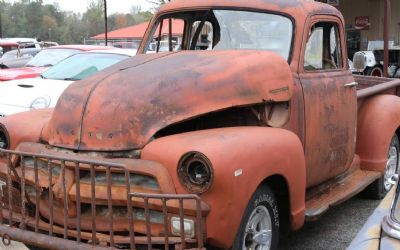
(195, 172)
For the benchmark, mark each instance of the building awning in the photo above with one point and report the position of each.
(136, 32)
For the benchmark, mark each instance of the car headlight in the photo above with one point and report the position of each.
(195, 172)
(40, 103)
(4, 141)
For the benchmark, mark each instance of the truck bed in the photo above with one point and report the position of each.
(369, 85)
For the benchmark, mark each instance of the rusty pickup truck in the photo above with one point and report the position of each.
(250, 125)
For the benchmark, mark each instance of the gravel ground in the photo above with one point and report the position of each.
(335, 230)
(13, 246)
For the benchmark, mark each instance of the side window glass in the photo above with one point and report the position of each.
(313, 55)
(204, 37)
(323, 51)
(167, 36)
(335, 50)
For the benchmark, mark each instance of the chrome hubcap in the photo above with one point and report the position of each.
(258, 231)
(391, 166)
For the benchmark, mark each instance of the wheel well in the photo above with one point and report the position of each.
(279, 186)
(398, 132)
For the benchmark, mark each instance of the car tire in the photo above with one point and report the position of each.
(375, 71)
(259, 228)
(379, 188)
(30, 247)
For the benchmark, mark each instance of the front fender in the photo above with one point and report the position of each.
(242, 158)
(378, 120)
(25, 126)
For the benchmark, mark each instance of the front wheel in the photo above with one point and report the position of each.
(378, 189)
(259, 228)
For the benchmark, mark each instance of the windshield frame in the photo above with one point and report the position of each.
(179, 13)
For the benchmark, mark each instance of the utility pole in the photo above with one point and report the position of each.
(1, 27)
(105, 22)
(386, 24)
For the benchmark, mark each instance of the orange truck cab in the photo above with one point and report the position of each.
(250, 124)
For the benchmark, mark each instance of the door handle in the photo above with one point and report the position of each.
(350, 85)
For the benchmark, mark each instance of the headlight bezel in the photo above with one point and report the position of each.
(194, 162)
(4, 136)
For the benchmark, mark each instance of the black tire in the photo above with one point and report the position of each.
(33, 247)
(377, 189)
(375, 71)
(262, 200)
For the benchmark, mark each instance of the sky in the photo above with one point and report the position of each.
(113, 6)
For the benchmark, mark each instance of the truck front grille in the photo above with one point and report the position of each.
(47, 201)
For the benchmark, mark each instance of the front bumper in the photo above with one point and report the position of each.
(45, 195)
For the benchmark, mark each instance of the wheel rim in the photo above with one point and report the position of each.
(376, 72)
(258, 231)
(391, 166)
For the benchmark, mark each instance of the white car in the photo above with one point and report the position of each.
(43, 92)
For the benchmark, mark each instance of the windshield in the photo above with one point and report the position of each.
(222, 30)
(80, 66)
(49, 57)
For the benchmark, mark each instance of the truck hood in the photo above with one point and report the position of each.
(19, 73)
(23, 92)
(122, 107)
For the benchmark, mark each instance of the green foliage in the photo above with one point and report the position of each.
(32, 18)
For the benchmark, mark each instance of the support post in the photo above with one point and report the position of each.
(386, 25)
(105, 22)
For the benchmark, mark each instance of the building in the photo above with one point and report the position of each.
(130, 37)
(364, 22)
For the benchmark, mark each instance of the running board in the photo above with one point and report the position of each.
(320, 199)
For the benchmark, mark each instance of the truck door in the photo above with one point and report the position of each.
(329, 99)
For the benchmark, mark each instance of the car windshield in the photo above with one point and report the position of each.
(223, 30)
(49, 57)
(80, 66)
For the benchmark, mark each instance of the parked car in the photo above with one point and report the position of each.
(382, 229)
(371, 62)
(26, 42)
(43, 92)
(17, 58)
(6, 46)
(45, 59)
(219, 146)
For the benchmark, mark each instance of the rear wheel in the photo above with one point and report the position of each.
(259, 228)
(375, 71)
(378, 189)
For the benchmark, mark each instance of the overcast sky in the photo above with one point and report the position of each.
(120, 6)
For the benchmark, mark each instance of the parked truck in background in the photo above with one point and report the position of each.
(255, 127)
(370, 62)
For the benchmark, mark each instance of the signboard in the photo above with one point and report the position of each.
(333, 2)
(362, 23)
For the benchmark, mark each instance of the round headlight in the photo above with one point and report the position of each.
(195, 172)
(4, 142)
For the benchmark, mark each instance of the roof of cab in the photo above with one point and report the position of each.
(298, 9)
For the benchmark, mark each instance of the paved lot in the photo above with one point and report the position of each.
(334, 230)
